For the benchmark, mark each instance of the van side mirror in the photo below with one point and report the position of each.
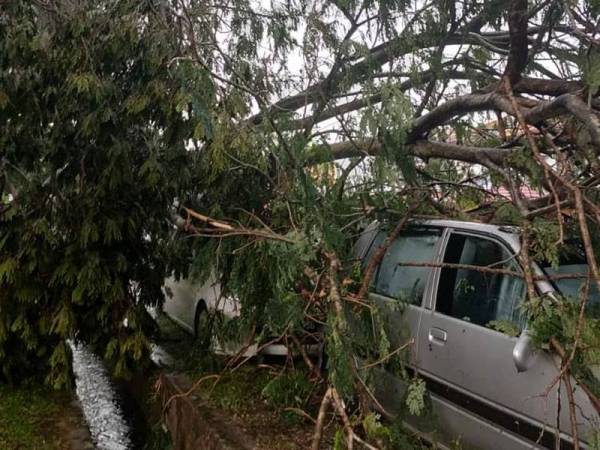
(523, 352)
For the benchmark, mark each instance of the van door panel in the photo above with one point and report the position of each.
(399, 291)
(390, 389)
(469, 367)
(474, 370)
(587, 421)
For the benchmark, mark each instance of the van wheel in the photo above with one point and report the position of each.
(202, 328)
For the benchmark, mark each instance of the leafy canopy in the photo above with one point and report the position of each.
(92, 150)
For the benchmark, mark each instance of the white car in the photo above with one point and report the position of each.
(188, 304)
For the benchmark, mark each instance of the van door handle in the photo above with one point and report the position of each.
(438, 336)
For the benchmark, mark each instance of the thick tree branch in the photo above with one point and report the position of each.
(567, 103)
(535, 113)
(485, 156)
(378, 56)
(553, 88)
(536, 86)
(457, 107)
(517, 24)
(384, 53)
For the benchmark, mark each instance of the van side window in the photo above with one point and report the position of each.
(404, 282)
(484, 298)
(374, 246)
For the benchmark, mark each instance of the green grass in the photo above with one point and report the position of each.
(27, 418)
(238, 390)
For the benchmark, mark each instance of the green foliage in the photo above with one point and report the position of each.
(504, 326)
(508, 214)
(389, 435)
(94, 150)
(544, 238)
(291, 388)
(338, 440)
(594, 440)
(523, 159)
(591, 71)
(559, 319)
(393, 121)
(340, 362)
(238, 390)
(546, 321)
(415, 398)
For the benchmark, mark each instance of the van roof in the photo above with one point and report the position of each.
(508, 233)
(471, 225)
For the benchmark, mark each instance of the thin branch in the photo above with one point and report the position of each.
(318, 433)
(389, 355)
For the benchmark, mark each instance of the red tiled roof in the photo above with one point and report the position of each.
(526, 192)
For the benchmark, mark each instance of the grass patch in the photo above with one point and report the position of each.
(238, 390)
(27, 418)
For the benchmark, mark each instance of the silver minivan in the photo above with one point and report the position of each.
(470, 343)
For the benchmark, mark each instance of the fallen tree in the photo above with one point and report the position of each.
(449, 105)
(281, 131)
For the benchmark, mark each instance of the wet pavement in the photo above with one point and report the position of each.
(101, 402)
(107, 407)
